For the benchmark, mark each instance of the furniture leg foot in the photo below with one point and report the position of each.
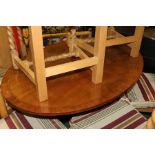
(3, 109)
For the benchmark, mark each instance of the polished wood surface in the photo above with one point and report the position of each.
(74, 92)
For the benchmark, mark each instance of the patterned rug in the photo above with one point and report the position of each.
(17, 120)
(118, 115)
(142, 95)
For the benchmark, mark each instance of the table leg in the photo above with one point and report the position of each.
(3, 109)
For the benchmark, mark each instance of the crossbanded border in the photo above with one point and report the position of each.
(9, 109)
(17, 120)
(119, 115)
(142, 94)
(0, 80)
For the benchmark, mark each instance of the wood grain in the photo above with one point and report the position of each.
(74, 92)
(5, 56)
(36, 44)
(3, 109)
(139, 30)
(99, 52)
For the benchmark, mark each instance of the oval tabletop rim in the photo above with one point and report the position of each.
(14, 99)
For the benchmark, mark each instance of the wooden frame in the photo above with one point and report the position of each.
(85, 46)
(99, 52)
(77, 48)
(22, 65)
(151, 121)
(138, 38)
(36, 44)
(66, 34)
(3, 109)
(71, 66)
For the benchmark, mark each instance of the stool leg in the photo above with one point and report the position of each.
(71, 39)
(99, 51)
(3, 109)
(138, 37)
(36, 45)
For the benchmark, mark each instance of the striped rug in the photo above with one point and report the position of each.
(142, 95)
(17, 120)
(119, 115)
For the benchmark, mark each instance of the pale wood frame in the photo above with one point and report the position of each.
(65, 34)
(84, 45)
(36, 44)
(70, 66)
(96, 61)
(99, 52)
(151, 121)
(138, 38)
(82, 54)
(28, 72)
(3, 108)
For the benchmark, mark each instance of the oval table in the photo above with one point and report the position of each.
(74, 92)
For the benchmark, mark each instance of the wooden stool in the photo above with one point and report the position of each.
(38, 77)
(93, 57)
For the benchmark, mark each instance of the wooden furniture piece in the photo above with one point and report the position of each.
(151, 121)
(3, 110)
(50, 102)
(74, 92)
(40, 73)
(5, 56)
